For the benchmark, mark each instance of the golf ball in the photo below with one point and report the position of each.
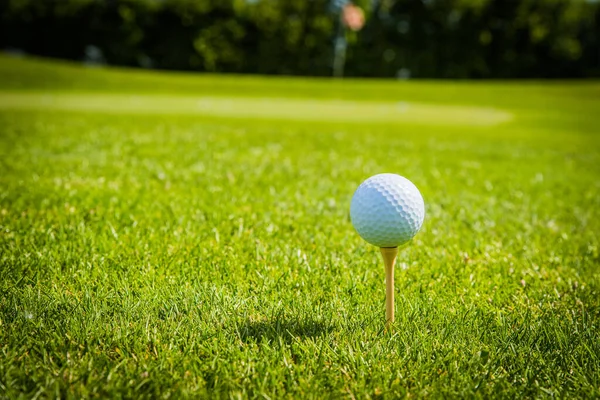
(387, 210)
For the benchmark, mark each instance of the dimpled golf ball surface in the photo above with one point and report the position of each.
(387, 210)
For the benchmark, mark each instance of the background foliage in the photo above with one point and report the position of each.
(419, 38)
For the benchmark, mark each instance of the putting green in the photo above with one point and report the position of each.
(260, 107)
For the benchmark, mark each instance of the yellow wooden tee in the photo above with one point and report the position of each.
(389, 258)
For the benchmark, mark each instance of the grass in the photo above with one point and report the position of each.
(167, 251)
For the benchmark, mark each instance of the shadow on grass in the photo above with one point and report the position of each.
(286, 330)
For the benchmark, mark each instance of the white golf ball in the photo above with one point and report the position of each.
(387, 210)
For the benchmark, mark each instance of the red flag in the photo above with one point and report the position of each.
(353, 17)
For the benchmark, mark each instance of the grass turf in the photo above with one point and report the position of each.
(168, 254)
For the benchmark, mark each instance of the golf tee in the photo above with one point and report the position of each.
(389, 258)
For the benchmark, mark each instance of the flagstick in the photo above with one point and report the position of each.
(389, 258)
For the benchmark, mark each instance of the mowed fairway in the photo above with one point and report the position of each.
(170, 235)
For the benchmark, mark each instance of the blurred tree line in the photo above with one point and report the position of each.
(418, 38)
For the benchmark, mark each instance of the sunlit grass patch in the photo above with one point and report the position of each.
(257, 107)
